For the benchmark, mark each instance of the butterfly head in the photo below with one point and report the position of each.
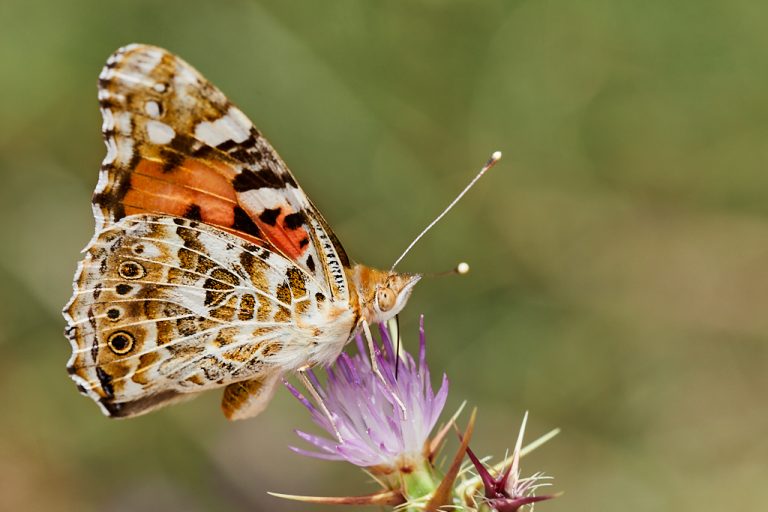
(382, 294)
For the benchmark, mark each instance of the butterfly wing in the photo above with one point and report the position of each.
(166, 306)
(209, 266)
(177, 146)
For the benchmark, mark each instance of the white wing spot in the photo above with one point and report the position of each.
(152, 109)
(112, 60)
(241, 120)
(159, 133)
(111, 152)
(101, 186)
(234, 125)
(109, 120)
(269, 198)
(147, 60)
(124, 150)
(123, 123)
(159, 87)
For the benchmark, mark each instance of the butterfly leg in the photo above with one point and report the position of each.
(375, 365)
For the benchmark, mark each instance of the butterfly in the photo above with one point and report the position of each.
(209, 267)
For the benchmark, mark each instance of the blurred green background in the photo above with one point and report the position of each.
(619, 250)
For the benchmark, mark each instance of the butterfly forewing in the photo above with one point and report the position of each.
(177, 146)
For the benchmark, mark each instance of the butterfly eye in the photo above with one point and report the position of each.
(386, 299)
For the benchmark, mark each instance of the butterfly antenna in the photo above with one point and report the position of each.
(460, 269)
(495, 157)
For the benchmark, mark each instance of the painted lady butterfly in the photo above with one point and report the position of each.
(209, 267)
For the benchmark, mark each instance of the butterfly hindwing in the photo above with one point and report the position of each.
(248, 398)
(165, 306)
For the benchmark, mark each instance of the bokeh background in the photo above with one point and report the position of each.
(619, 250)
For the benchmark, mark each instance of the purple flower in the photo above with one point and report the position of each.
(379, 424)
(507, 492)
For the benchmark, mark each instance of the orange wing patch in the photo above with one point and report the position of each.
(284, 228)
(196, 190)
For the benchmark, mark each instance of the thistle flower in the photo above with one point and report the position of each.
(382, 420)
(384, 425)
(507, 492)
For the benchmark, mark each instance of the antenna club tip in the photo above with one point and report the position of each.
(496, 156)
(462, 268)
